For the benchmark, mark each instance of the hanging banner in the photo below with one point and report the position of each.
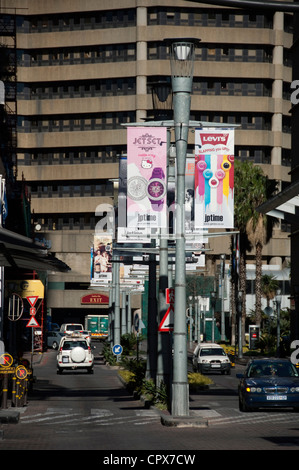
(124, 233)
(101, 255)
(214, 178)
(147, 177)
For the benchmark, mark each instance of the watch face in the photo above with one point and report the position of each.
(156, 189)
(137, 188)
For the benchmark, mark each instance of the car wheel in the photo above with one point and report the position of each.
(54, 345)
(90, 370)
(59, 370)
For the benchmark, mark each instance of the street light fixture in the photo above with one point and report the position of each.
(182, 55)
(278, 305)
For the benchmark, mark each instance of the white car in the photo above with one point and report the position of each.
(210, 357)
(69, 328)
(74, 353)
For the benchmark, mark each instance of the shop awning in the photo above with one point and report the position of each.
(283, 205)
(20, 252)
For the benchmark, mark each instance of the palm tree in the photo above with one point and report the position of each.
(252, 188)
(269, 287)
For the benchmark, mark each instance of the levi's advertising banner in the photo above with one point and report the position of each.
(214, 178)
(146, 177)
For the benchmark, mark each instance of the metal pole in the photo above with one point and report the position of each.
(222, 271)
(278, 303)
(190, 323)
(180, 387)
(123, 314)
(152, 332)
(164, 355)
(129, 314)
(117, 304)
(182, 55)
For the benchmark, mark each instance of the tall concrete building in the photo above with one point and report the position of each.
(86, 67)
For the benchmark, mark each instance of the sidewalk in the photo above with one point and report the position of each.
(12, 414)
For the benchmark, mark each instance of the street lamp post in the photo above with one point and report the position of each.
(182, 55)
(278, 305)
(190, 320)
(213, 302)
(222, 277)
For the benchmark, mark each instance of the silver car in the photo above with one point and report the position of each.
(54, 338)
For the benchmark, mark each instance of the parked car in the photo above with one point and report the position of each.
(74, 353)
(54, 338)
(269, 383)
(210, 357)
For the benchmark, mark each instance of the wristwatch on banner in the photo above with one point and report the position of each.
(156, 189)
(136, 188)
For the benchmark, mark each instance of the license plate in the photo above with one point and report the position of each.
(65, 359)
(215, 365)
(276, 397)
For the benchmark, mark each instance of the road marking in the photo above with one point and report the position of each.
(98, 416)
(253, 419)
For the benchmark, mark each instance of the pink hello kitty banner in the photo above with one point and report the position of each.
(214, 178)
(147, 177)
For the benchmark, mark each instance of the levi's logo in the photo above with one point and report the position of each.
(214, 139)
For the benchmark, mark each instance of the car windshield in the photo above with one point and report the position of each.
(212, 352)
(73, 327)
(68, 345)
(276, 369)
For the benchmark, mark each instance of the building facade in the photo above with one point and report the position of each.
(85, 68)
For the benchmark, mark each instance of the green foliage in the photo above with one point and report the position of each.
(108, 355)
(129, 343)
(133, 373)
(267, 344)
(197, 380)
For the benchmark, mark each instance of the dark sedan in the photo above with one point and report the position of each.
(269, 383)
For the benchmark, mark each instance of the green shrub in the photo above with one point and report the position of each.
(108, 354)
(197, 380)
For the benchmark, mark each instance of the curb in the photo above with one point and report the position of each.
(183, 421)
(9, 416)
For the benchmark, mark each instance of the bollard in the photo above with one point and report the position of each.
(17, 392)
(5, 391)
(14, 391)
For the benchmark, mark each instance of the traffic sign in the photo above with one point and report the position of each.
(32, 311)
(167, 323)
(6, 360)
(21, 372)
(117, 349)
(32, 323)
(32, 299)
(170, 295)
(136, 322)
